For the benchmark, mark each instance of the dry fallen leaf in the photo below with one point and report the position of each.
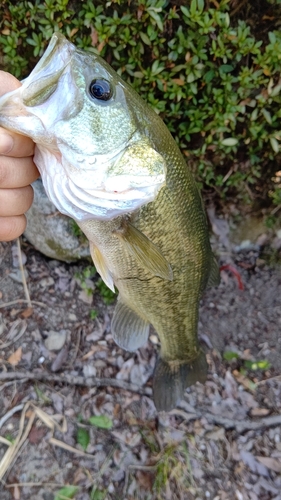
(145, 479)
(36, 434)
(271, 463)
(250, 460)
(259, 412)
(27, 312)
(15, 358)
(16, 492)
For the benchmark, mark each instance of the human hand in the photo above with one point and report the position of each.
(17, 171)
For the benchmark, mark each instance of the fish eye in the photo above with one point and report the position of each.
(100, 89)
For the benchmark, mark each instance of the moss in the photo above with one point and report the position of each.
(60, 253)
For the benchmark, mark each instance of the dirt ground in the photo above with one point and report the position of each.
(222, 442)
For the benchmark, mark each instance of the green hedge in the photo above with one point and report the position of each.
(210, 69)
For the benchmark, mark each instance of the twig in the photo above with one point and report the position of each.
(13, 302)
(16, 447)
(16, 323)
(142, 467)
(237, 8)
(10, 413)
(25, 287)
(247, 425)
(7, 384)
(64, 446)
(66, 378)
(228, 423)
(36, 485)
(275, 210)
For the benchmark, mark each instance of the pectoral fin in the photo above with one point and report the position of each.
(146, 253)
(128, 329)
(101, 266)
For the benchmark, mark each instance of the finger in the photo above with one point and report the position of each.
(8, 82)
(12, 227)
(17, 172)
(10, 143)
(16, 145)
(15, 201)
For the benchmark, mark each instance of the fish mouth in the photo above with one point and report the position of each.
(58, 45)
(16, 106)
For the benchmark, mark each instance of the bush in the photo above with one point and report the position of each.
(210, 69)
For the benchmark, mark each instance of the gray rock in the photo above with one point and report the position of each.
(52, 233)
(55, 340)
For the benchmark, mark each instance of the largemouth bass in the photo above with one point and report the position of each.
(109, 162)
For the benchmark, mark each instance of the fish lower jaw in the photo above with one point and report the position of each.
(81, 200)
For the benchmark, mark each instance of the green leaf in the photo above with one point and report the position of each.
(157, 19)
(272, 37)
(264, 364)
(101, 421)
(209, 76)
(66, 492)
(185, 10)
(193, 7)
(83, 437)
(229, 141)
(97, 494)
(230, 355)
(267, 116)
(145, 38)
(226, 68)
(274, 144)
(201, 5)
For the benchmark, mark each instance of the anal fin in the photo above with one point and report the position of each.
(144, 251)
(101, 266)
(172, 378)
(128, 329)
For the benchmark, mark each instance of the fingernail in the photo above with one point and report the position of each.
(6, 142)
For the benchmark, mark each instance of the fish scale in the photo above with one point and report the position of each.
(113, 166)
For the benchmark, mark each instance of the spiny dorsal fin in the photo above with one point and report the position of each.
(146, 253)
(128, 330)
(101, 266)
(214, 276)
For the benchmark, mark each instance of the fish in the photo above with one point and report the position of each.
(108, 161)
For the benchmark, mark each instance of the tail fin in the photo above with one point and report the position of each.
(172, 378)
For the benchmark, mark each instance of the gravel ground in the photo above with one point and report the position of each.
(222, 442)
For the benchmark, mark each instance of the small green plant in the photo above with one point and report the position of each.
(66, 493)
(173, 467)
(84, 277)
(9, 438)
(41, 396)
(101, 421)
(85, 280)
(93, 314)
(76, 231)
(97, 494)
(262, 365)
(247, 364)
(107, 295)
(83, 437)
